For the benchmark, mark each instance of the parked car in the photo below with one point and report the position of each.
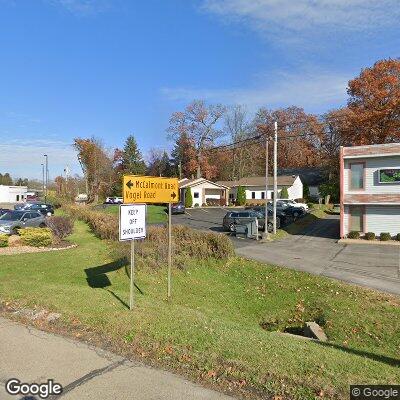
(3, 211)
(231, 219)
(284, 217)
(13, 220)
(113, 200)
(43, 208)
(293, 203)
(178, 208)
(290, 212)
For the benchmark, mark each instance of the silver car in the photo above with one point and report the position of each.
(11, 221)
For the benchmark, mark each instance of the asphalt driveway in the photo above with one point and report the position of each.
(315, 250)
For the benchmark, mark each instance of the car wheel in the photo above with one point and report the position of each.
(232, 227)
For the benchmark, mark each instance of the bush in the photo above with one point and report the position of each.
(187, 245)
(354, 235)
(60, 226)
(188, 198)
(241, 196)
(370, 236)
(36, 237)
(3, 240)
(284, 193)
(213, 202)
(398, 237)
(385, 236)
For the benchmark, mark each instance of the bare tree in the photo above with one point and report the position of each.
(199, 122)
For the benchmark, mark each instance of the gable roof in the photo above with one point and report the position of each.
(283, 180)
(184, 183)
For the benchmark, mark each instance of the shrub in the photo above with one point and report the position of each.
(354, 235)
(284, 193)
(241, 196)
(36, 237)
(370, 236)
(398, 237)
(60, 226)
(188, 198)
(105, 226)
(196, 205)
(3, 240)
(385, 236)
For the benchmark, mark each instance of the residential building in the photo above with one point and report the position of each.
(370, 189)
(204, 192)
(13, 194)
(255, 188)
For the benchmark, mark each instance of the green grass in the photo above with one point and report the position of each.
(212, 325)
(155, 214)
(317, 212)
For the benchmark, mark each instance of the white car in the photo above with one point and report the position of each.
(293, 203)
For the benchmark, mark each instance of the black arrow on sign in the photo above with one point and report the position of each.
(173, 195)
(129, 184)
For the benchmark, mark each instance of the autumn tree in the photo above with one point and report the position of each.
(97, 167)
(159, 164)
(375, 104)
(198, 126)
(6, 179)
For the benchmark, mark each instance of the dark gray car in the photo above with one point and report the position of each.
(231, 219)
(11, 221)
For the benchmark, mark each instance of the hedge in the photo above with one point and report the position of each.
(3, 240)
(36, 237)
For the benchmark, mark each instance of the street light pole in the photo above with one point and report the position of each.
(275, 170)
(42, 179)
(47, 176)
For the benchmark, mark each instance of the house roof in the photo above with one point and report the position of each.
(283, 180)
(372, 150)
(184, 183)
(309, 176)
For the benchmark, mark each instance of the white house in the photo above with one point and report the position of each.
(13, 194)
(370, 189)
(255, 188)
(203, 192)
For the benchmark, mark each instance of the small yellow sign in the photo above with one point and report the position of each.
(150, 189)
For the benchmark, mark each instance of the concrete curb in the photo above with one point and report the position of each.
(368, 242)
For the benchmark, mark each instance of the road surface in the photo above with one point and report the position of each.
(85, 372)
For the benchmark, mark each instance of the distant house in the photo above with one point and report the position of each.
(255, 188)
(312, 177)
(370, 189)
(204, 192)
(13, 194)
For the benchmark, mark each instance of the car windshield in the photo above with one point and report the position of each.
(12, 216)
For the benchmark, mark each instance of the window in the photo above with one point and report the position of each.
(17, 197)
(253, 195)
(231, 195)
(357, 176)
(263, 195)
(356, 219)
(196, 195)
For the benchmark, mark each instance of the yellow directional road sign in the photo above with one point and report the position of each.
(150, 189)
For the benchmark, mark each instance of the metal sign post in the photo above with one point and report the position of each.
(132, 226)
(169, 249)
(153, 189)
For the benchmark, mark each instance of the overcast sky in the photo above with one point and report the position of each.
(109, 68)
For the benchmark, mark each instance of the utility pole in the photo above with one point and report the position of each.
(275, 170)
(266, 233)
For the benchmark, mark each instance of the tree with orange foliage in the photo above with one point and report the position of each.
(375, 104)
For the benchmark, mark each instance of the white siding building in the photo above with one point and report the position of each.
(255, 188)
(203, 192)
(370, 189)
(13, 194)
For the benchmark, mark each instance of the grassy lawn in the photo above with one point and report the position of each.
(317, 212)
(155, 214)
(212, 326)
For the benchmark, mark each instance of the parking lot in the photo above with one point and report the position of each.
(315, 250)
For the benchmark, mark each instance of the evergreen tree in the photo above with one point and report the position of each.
(284, 193)
(241, 196)
(188, 198)
(132, 160)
